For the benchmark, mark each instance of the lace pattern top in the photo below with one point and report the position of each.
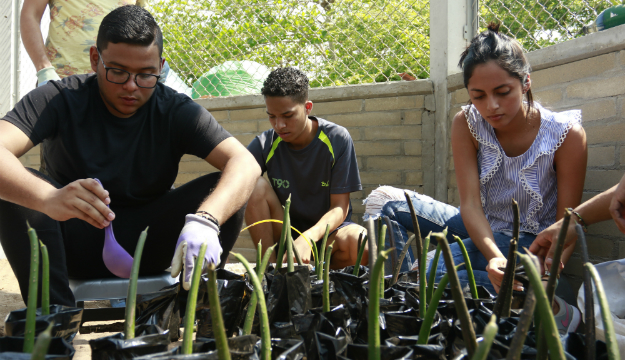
(530, 178)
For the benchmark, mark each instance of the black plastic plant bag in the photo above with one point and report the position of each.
(359, 352)
(241, 348)
(289, 291)
(328, 323)
(363, 271)
(234, 295)
(160, 308)
(434, 350)
(330, 347)
(66, 321)
(575, 344)
(349, 292)
(149, 339)
(285, 349)
(406, 323)
(11, 347)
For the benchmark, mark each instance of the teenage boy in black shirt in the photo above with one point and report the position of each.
(313, 161)
(124, 128)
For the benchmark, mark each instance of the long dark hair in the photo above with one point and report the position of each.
(505, 51)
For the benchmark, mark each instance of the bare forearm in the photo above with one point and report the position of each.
(480, 232)
(597, 208)
(33, 39)
(234, 188)
(334, 218)
(18, 185)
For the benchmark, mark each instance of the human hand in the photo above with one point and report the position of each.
(303, 248)
(84, 199)
(544, 245)
(46, 74)
(617, 205)
(195, 232)
(496, 276)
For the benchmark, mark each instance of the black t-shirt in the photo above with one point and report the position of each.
(310, 175)
(135, 158)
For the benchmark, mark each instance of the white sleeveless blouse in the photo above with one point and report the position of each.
(530, 178)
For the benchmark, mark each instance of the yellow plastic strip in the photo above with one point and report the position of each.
(281, 222)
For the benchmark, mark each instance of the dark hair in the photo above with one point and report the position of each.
(287, 81)
(505, 51)
(130, 24)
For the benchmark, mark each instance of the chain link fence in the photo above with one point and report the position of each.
(336, 42)
(540, 23)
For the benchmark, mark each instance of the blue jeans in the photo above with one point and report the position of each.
(434, 216)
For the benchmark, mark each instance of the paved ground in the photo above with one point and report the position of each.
(10, 299)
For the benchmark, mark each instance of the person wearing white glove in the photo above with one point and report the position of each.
(198, 229)
(46, 74)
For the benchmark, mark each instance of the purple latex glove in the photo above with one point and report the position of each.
(115, 257)
(196, 231)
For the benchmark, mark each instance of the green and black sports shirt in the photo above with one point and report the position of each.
(326, 166)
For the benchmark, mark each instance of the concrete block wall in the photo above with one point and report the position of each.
(387, 122)
(592, 79)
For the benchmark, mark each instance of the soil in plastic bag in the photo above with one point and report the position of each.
(11, 348)
(575, 344)
(66, 322)
(233, 297)
(149, 339)
(160, 308)
(290, 291)
(330, 347)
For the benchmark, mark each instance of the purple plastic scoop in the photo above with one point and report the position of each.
(115, 257)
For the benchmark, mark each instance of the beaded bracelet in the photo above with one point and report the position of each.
(208, 216)
(581, 221)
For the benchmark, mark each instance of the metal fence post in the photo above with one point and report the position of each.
(447, 25)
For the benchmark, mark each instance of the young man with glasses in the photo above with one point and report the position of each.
(125, 129)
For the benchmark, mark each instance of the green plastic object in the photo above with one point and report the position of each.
(231, 78)
(614, 16)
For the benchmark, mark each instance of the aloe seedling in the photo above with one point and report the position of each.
(374, 306)
(286, 228)
(219, 330)
(589, 299)
(489, 335)
(468, 332)
(45, 280)
(468, 266)
(547, 321)
(362, 242)
(422, 275)
(251, 309)
(389, 226)
(437, 254)
(404, 251)
(606, 315)
(189, 317)
(525, 320)
(131, 298)
(324, 242)
(428, 318)
(550, 288)
(265, 336)
(504, 299)
(415, 227)
(289, 238)
(381, 246)
(373, 244)
(31, 311)
(42, 344)
(326, 279)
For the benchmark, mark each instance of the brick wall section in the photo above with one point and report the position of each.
(595, 85)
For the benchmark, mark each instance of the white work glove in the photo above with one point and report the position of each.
(196, 231)
(46, 74)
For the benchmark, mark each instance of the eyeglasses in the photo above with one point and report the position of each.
(119, 76)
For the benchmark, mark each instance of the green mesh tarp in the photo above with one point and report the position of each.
(231, 78)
